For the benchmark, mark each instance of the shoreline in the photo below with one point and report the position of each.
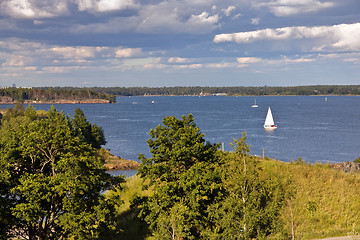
(89, 101)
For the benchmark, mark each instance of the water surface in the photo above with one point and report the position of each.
(308, 126)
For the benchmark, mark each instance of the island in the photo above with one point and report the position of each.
(61, 95)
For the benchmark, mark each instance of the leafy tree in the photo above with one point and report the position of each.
(183, 170)
(51, 182)
(91, 134)
(203, 193)
(254, 198)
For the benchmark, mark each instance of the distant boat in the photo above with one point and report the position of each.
(255, 105)
(269, 121)
(152, 101)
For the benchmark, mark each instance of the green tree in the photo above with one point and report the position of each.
(51, 182)
(87, 132)
(254, 198)
(183, 170)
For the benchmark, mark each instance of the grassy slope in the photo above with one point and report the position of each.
(325, 202)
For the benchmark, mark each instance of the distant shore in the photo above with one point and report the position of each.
(61, 101)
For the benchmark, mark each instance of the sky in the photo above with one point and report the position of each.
(155, 43)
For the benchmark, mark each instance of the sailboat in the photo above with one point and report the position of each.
(255, 105)
(269, 121)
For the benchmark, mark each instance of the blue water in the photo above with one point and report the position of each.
(308, 126)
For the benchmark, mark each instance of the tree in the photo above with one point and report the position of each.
(91, 134)
(254, 198)
(51, 182)
(184, 172)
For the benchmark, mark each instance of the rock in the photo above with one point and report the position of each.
(348, 167)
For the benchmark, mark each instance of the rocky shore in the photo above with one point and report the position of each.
(348, 167)
(113, 162)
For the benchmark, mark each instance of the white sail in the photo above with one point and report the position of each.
(255, 105)
(269, 121)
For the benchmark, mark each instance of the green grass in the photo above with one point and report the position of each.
(324, 203)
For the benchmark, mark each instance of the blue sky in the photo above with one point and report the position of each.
(156, 43)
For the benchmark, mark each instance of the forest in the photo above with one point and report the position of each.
(52, 95)
(108, 94)
(235, 91)
(53, 185)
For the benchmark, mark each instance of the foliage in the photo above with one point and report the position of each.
(53, 94)
(201, 192)
(254, 199)
(51, 182)
(91, 134)
(182, 172)
(239, 91)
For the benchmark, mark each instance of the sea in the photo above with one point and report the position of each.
(314, 128)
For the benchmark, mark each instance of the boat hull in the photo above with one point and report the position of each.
(272, 127)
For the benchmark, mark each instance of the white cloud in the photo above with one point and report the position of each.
(18, 55)
(191, 66)
(176, 17)
(283, 8)
(178, 60)
(203, 18)
(105, 5)
(225, 65)
(255, 21)
(352, 60)
(74, 52)
(343, 37)
(228, 10)
(127, 52)
(245, 60)
(34, 8)
(294, 60)
(14, 61)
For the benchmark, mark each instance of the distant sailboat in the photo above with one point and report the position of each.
(269, 121)
(255, 105)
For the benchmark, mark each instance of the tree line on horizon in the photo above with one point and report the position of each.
(231, 91)
(47, 94)
(50, 94)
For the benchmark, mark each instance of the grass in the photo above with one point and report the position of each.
(324, 202)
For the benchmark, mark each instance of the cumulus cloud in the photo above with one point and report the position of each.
(127, 52)
(203, 18)
(283, 8)
(105, 5)
(34, 8)
(175, 17)
(27, 55)
(74, 52)
(343, 37)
